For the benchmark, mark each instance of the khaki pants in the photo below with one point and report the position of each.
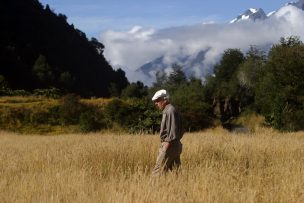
(168, 159)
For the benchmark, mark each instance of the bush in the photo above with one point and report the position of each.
(9, 92)
(91, 120)
(49, 93)
(20, 93)
(137, 115)
(70, 109)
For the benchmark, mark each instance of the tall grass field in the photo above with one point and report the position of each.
(217, 166)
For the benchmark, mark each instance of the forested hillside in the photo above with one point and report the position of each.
(246, 91)
(39, 49)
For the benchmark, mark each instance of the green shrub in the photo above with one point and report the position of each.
(70, 109)
(49, 93)
(134, 116)
(19, 93)
(91, 120)
(9, 92)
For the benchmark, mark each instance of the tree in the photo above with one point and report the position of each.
(169, 82)
(280, 94)
(160, 79)
(249, 75)
(177, 76)
(225, 73)
(251, 70)
(4, 90)
(3, 83)
(188, 96)
(229, 64)
(42, 71)
(120, 79)
(191, 100)
(135, 90)
(97, 45)
(67, 79)
(225, 87)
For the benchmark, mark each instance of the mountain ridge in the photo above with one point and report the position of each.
(160, 64)
(39, 49)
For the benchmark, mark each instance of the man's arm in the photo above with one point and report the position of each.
(166, 145)
(170, 127)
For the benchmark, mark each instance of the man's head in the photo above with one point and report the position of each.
(161, 99)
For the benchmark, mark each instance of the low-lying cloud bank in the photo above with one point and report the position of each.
(132, 49)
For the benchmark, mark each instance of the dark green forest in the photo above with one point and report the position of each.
(39, 49)
(42, 55)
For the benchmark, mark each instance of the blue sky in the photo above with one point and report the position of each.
(97, 16)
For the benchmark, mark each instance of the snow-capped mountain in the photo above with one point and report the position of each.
(299, 4)
(195, 64)
(259, 14)
(197, 48)
(252, 14)
(191, 65)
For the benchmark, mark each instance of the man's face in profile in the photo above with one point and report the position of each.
(160, 103)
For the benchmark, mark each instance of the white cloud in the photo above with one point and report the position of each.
(138, 46)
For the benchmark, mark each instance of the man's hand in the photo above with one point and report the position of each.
(166, 145)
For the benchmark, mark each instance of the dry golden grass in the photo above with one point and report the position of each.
(30, 102)
(216, 167)
(100, 102)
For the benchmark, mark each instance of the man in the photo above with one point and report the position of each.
(170, 134)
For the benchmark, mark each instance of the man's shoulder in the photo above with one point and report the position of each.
(170, 108)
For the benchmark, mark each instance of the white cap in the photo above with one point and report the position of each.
(160, 94)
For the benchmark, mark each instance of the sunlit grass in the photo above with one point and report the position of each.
(100, 102)
(216, 167)
(29, 102)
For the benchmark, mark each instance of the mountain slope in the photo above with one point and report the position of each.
(252, 14)
(299, 4)
(39, 49)
(191, 65)
(259, 14)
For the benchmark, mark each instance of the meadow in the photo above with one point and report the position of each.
(217, 166)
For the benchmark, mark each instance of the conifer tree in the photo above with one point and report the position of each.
(42, 71)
